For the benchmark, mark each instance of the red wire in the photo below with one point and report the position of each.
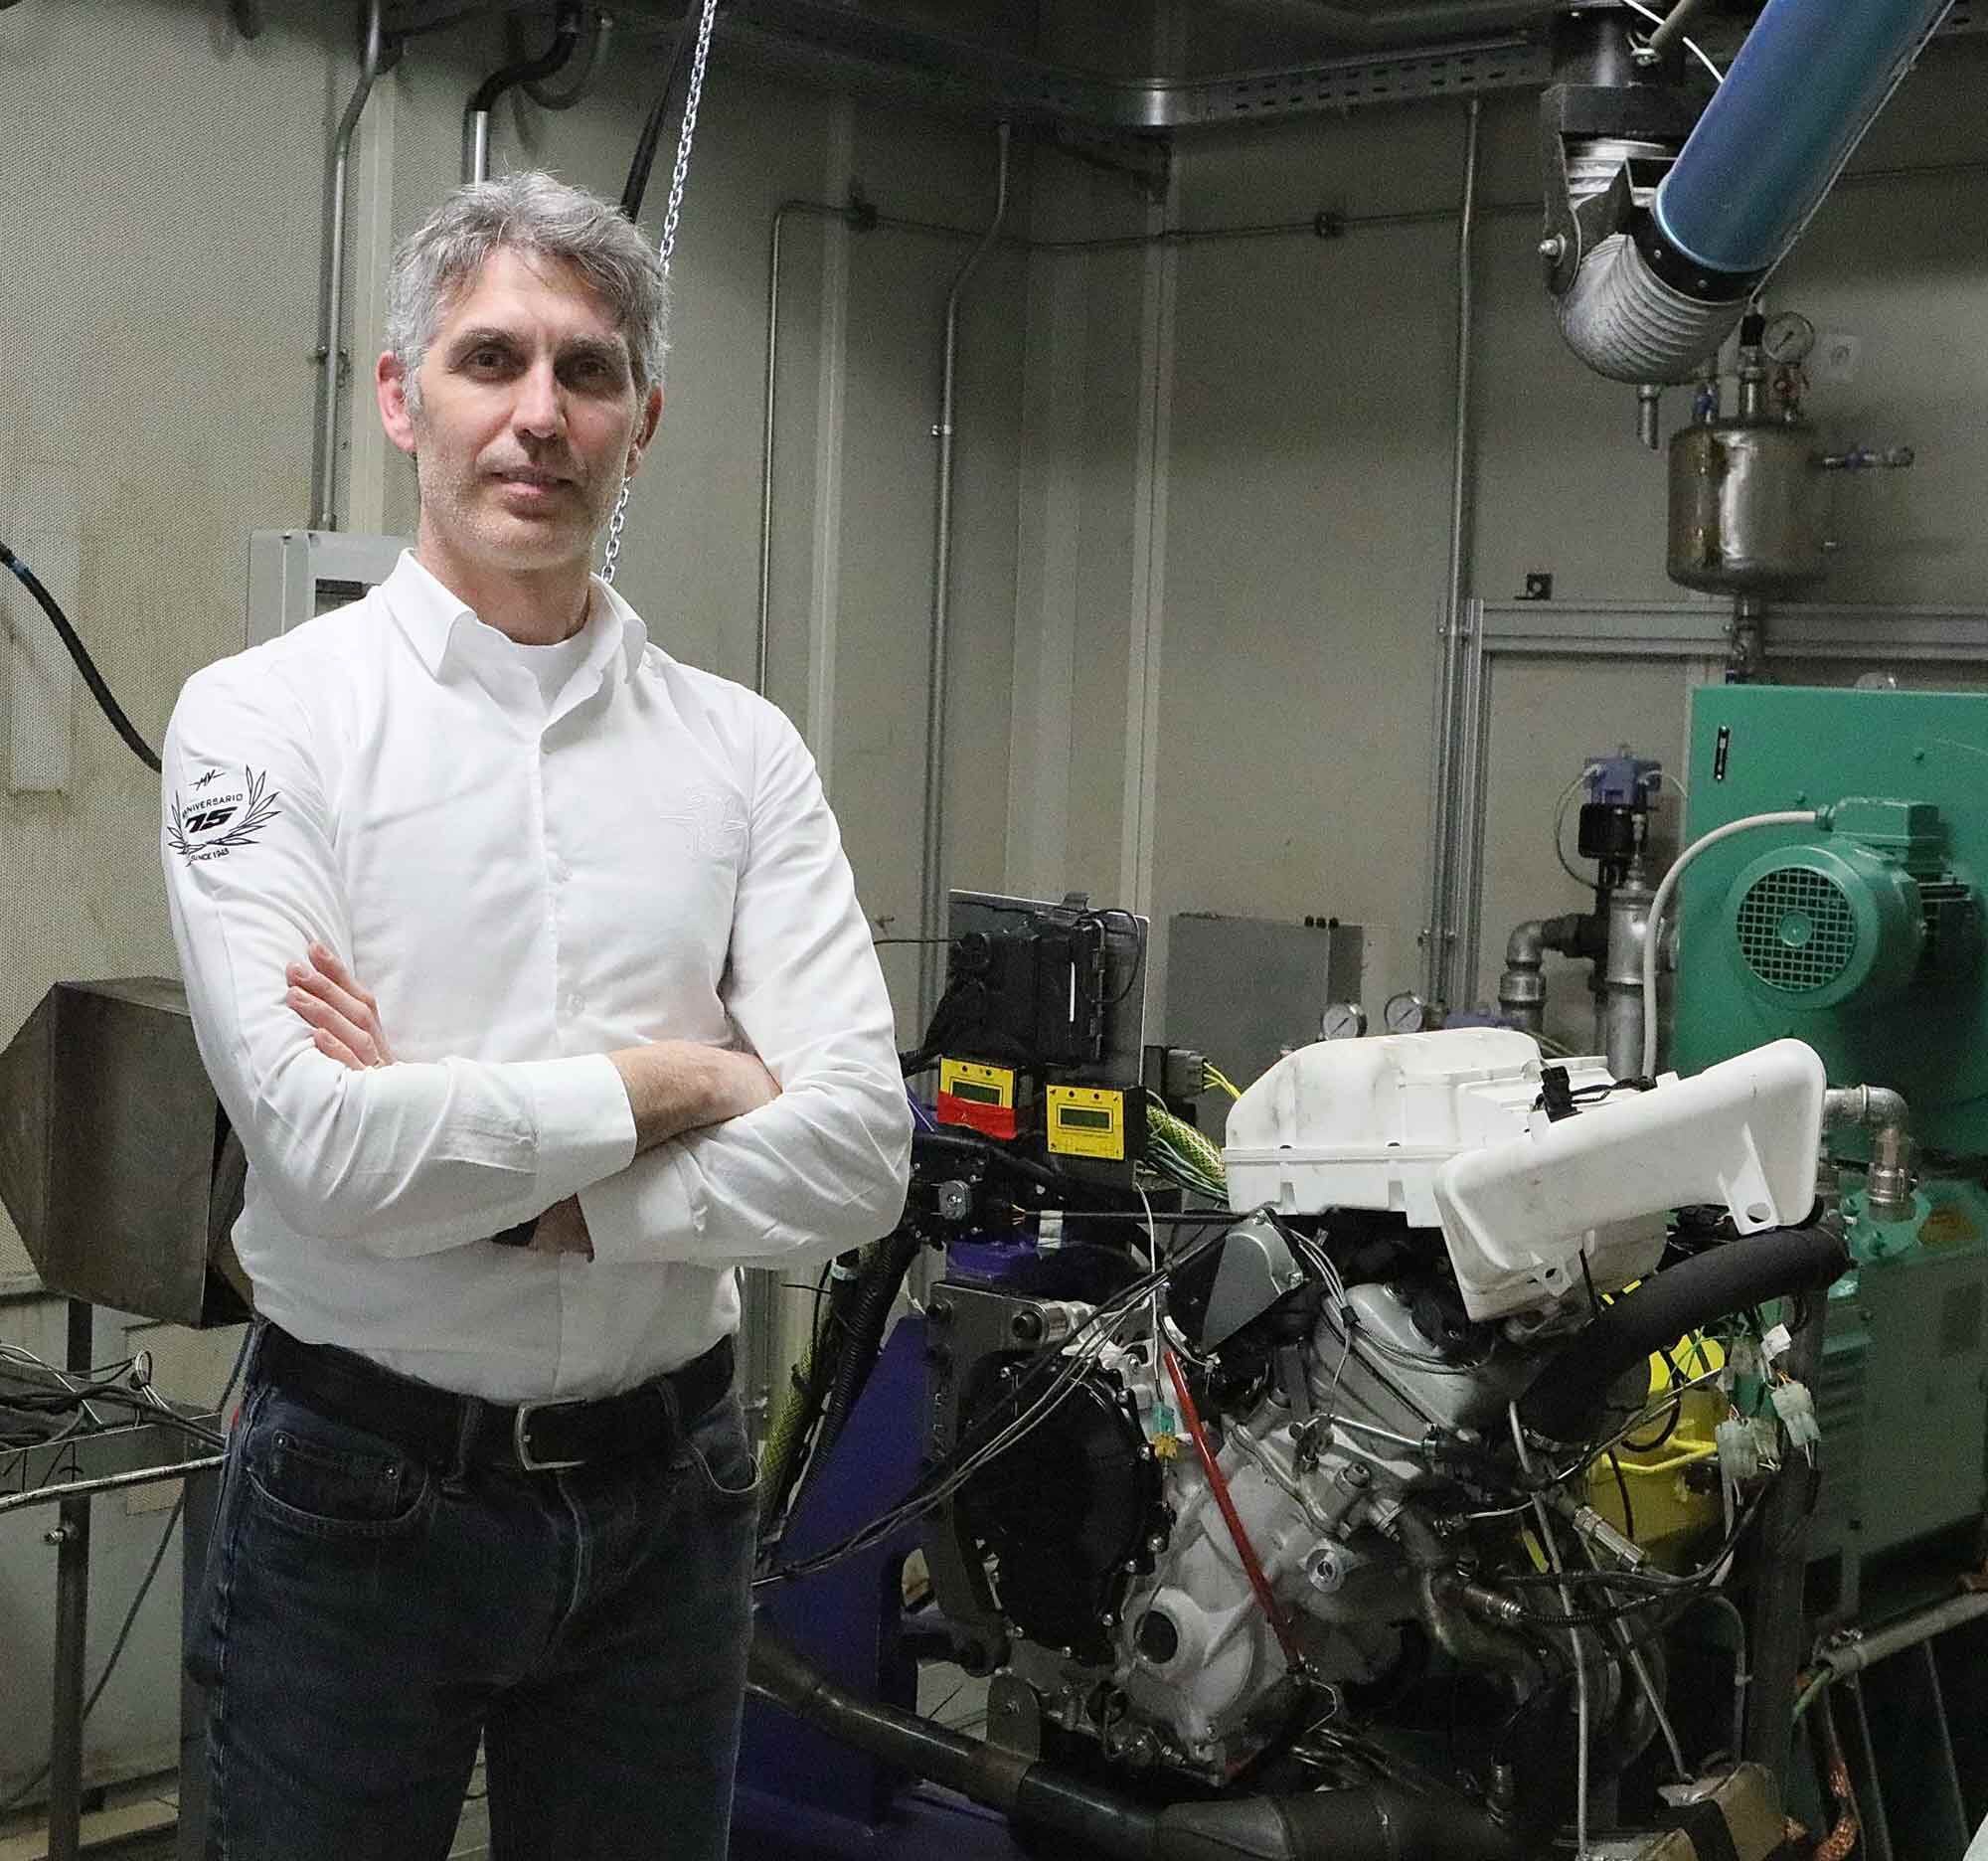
(1286, 1637)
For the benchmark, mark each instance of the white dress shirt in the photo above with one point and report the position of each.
(526, 881)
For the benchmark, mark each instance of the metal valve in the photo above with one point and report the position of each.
(1868, 458)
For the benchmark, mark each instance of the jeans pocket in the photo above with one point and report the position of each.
(716, 1450)
(329, 1480)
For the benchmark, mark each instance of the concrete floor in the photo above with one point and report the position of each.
(139, 1822)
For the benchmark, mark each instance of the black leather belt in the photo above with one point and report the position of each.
(437, 1424)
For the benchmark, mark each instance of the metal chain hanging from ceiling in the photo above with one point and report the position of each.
(692, 96)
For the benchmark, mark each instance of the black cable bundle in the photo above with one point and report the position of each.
(652, 131)
(845, 1353)
(876, 1292)
(567, 23)
(79, 653)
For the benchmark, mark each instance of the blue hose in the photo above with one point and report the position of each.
(1805, 86)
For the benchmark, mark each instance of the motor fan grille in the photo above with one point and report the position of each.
(1797, 929)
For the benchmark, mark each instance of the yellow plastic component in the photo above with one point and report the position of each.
(982, 1084)
(1086, 1121)
(1671, 1509)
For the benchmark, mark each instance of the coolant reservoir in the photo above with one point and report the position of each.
(1746, 506)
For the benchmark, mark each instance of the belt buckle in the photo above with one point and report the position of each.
(520, 1439)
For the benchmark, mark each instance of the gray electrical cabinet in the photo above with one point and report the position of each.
(296, 575)
(1245, 990)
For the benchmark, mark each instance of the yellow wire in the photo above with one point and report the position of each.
(1215, 1075)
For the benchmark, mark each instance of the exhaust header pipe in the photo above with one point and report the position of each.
(1376, 1822)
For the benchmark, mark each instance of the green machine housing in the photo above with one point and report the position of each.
(1862, 936)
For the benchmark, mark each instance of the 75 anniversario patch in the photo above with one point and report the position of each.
(218, 811)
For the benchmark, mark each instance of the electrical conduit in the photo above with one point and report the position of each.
(932, 906)
(476, 112)
(1444, 832)
(1653, 936)
(331, 301)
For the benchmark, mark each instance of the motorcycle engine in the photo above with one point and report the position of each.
(1248, 1494)
(1097, 1552)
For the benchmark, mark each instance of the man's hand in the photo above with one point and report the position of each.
(672, 1086)
(344, 1016)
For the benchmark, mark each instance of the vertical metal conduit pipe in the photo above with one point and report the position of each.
(770, 429)
(1437, 965)
(331, 297)
(762, 637)
(933, 905)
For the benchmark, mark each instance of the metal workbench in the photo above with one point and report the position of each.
(67, 1473)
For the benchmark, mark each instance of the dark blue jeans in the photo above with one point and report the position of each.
(368, 1618)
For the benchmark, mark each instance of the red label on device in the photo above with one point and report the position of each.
(990, 1120)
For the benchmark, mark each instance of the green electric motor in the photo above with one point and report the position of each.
(1858, 916)
(1860, 934)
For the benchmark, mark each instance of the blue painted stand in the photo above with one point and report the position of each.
(801, 1794)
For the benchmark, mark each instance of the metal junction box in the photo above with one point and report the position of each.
(296, 575)
(1244, 990)
(111, 1153)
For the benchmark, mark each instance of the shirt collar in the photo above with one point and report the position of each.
(433, 619)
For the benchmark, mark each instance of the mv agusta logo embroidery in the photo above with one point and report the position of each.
(214, 824)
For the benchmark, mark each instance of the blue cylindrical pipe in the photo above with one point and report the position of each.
(1805, 86)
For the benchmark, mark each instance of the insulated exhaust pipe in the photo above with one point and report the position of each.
(1374, 1822)
(1647, 288)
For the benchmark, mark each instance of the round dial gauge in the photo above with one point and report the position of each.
(1342, 1021)
(1406, 1013)
(1788, 338)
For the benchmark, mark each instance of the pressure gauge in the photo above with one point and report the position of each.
(1406, 1013)
(1787, 339)
(1342, 1021)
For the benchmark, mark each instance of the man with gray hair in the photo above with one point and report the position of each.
(527, 964)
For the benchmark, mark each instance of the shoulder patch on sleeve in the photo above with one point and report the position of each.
(218, 811)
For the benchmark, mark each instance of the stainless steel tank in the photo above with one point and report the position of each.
(1746, 506)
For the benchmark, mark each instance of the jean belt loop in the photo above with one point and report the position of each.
(258, 1329)
(465, 1440)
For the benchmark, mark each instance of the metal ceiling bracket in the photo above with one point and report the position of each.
(1147, 161)
(954, 72)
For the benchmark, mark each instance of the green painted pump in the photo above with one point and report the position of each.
(1862, 935)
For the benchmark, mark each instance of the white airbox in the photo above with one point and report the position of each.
(1447, 1130)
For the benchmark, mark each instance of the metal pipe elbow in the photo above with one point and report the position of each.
(1526, 948)
(1626, 324)
(1888, 1188)
(1474, 1644)
(1522, 989)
